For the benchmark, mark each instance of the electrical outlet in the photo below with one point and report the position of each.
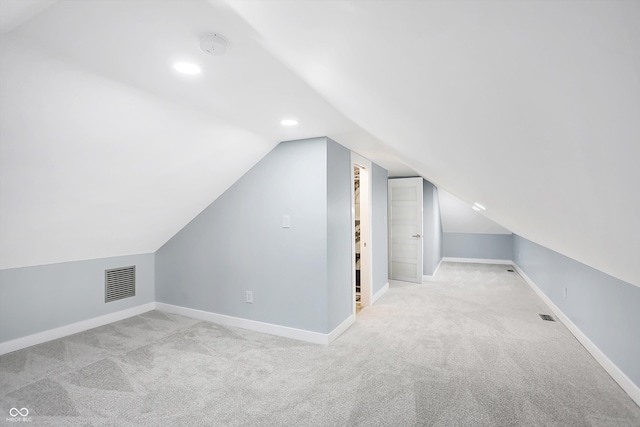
(565, 293)
(249, 297)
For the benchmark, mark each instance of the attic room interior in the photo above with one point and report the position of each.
(243, 212)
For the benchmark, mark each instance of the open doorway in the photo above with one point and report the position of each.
(356, 202)
(361, 232)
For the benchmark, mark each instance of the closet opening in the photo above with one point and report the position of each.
(361, 235)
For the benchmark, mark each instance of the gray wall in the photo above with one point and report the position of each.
(44, 297)
(380, 248)
(605, 309)
(238, 243)
(432, 229)
(476, 245)
(339, 189)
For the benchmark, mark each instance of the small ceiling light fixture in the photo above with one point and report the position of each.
(288, 122)
(479, 206)
(187, 68)
(213, 44)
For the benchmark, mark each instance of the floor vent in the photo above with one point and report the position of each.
(547, 317)
(510, 270)
(119, 283)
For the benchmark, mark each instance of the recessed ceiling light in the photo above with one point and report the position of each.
(475, 208)
(288, 122)
(187, 68)
(480, 207)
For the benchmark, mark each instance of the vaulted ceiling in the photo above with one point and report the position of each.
(531, 108)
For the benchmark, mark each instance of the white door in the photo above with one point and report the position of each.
(405, 229)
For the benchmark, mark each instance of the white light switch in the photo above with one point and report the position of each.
(286, 221)
(249, 296)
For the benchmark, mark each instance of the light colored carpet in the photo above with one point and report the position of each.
(468, 349)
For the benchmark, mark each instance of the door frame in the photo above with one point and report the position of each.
(366, 243)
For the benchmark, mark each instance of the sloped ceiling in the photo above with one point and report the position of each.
(531, 108)
(459, 217)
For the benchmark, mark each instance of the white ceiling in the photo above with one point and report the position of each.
(531, 108)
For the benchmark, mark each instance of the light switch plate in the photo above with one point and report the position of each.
(286, 221)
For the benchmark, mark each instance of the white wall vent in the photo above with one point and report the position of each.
(119, 283)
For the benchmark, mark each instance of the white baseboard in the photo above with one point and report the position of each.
(438, 266)
(253, 325)
(378, 294)
(627, 385)
(341, 328)
(427, 277)
(479, 260)
(268, 328)
(74, 328)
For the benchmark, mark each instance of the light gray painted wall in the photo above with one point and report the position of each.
(432, 229)
(605, 309)
(476, 245)
(380, 236)
(339, 189)
(238, 244)
(44, 297)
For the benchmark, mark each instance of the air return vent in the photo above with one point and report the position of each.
(547, 317)
(119, 283)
